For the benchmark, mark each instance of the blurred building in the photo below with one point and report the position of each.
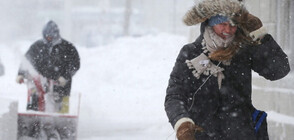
(278, 17)
(92, 22)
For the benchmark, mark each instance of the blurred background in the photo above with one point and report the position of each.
(101, 26)
(92, 22)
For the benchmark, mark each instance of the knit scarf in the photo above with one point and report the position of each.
(214, 42)
(202, 64)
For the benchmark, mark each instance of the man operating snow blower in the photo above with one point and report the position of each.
(53, 62)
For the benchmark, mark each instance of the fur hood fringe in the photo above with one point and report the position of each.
(208, 8)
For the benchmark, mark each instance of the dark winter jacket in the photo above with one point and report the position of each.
(224, 113)
(53, 62)
(54, 58)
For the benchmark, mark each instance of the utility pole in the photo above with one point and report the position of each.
(67, 20)
(174, 16)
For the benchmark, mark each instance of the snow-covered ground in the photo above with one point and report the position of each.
(122, 86)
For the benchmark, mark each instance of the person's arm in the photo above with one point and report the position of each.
(176, 99)
(71, 62)
(30, 59)
(269, 60)
(33, 55)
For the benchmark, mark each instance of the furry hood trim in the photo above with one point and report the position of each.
(208, 8)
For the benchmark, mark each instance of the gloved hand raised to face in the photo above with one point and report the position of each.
(62, 81)
(187, 131)
(251, 25)
(19, 79)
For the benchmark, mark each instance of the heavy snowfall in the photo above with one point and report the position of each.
(126, 59)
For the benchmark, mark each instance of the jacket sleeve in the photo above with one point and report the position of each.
(33, 54)
(269, 60)
(176, 94)
(32, 58)
(72, 62)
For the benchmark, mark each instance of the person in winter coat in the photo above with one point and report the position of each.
(209, 92)
(53, 58)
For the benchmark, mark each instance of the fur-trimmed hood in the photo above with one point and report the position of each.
(208, 8)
